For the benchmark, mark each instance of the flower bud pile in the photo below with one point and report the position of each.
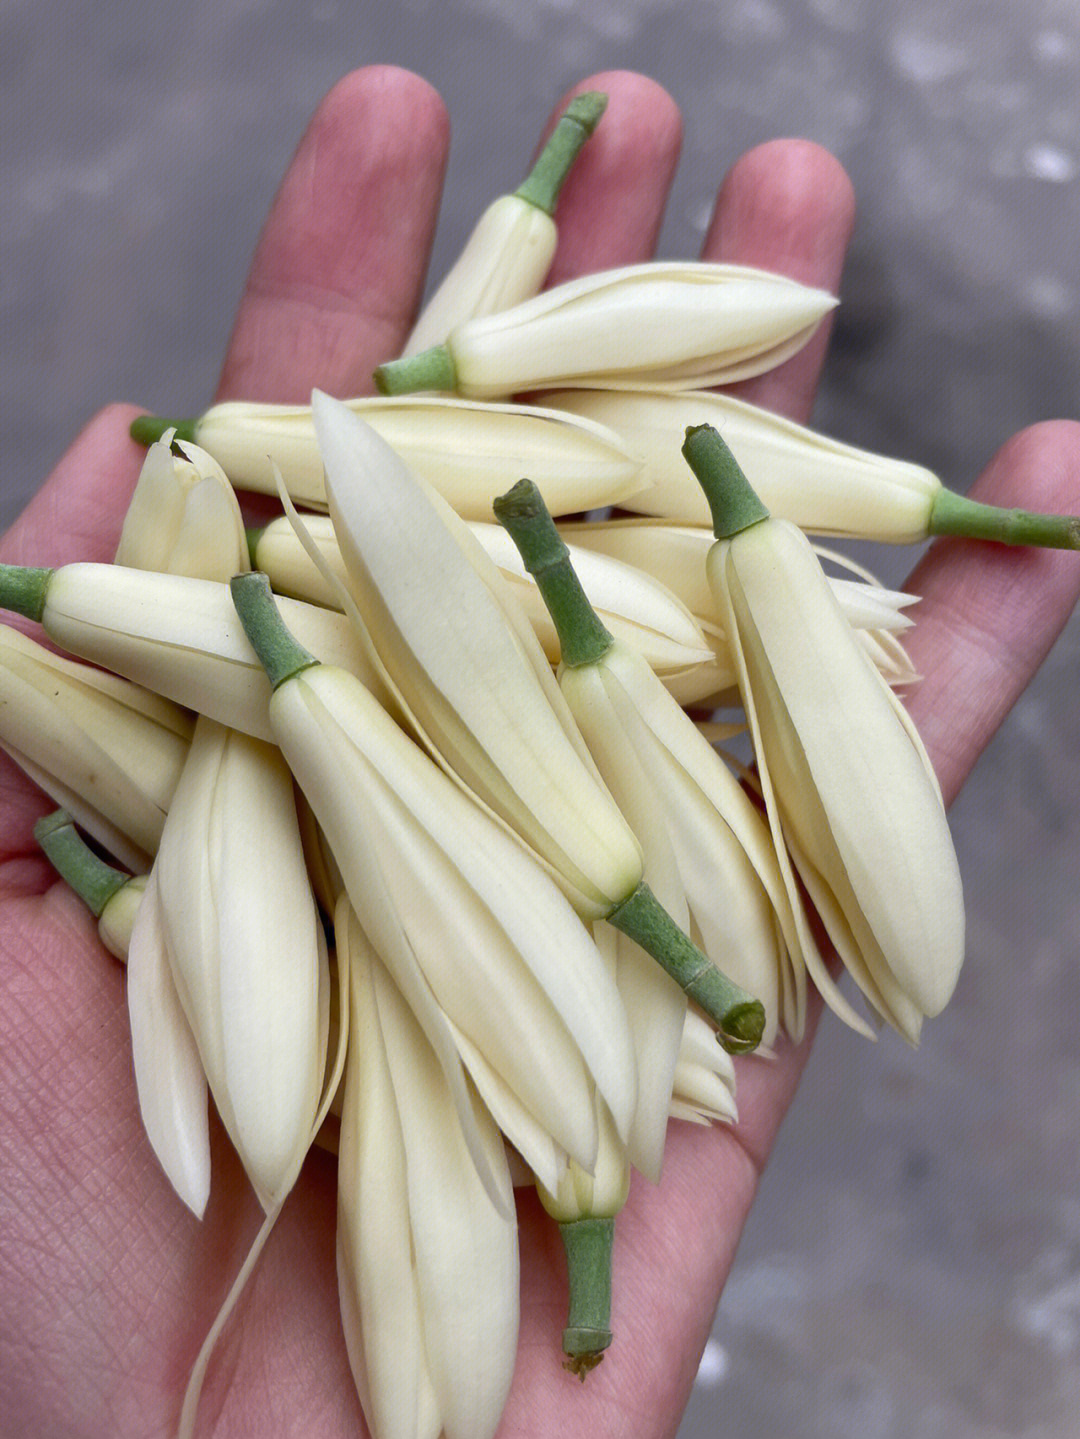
(414, 829)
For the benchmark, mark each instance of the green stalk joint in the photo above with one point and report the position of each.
(94, 881)
(280, 655)
(429, 370)
(23, 588)
(542, 185)
(953, 514)
(739, 1017)
(583, 639)
(732, 501)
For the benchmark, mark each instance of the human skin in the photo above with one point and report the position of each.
(107, 1283)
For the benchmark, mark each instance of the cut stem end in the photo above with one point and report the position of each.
(575, 125)
(429, 370)
(588, 1245)
(732, 501)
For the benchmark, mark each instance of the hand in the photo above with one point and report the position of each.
(107, 1284)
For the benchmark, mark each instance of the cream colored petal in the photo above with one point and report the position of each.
(181, 637)
(545, 1159)
(270, 955)
(169, 1075)
(465, 1251)
(117, 918)
(467, 451)
(521, 922)
(477, 686)
(818, 483)
(70, 741)
(380, 1295)
(884, 817)
(672, 324)
(505, 260)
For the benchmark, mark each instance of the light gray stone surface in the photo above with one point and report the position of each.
(912, 1270)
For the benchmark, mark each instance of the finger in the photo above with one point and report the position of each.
(340, 264)
(612, 204)
(786, 206)
(989, 612)
(77, 513)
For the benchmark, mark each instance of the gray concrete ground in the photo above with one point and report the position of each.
(912, 1270)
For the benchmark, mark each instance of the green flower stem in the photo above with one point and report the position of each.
(733, 503)
(522, 513)
(588, 1261)
(429, 370)
(280, 655)
(146, 429)
(577, 122)
(23, 589)
(739, 1016)
(94, 881)
(953, 514)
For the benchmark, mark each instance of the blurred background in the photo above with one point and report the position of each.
(912, 1270)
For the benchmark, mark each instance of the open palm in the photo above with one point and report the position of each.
(107, 1284)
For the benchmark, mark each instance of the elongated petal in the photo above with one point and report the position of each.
(632, 605)
(380, 1296)
(675, 555)
(471, 676)
(469, 452)
(273, 954)
(246, 954)
(636, 728)
(183, 517)
(833, 741)
(820, 484)
(169, 1075)
(106, 749)
(482, 920)
(180, 637)
(465, 1250)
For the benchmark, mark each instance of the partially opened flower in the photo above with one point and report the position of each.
(674, 555)
(846, 789)
(670, 325)
(703, 1090)
(427, 1264)
(498, 968)
(245, 947)
(107, 750)
(816, 482)
(664, 773)
(183, 518)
